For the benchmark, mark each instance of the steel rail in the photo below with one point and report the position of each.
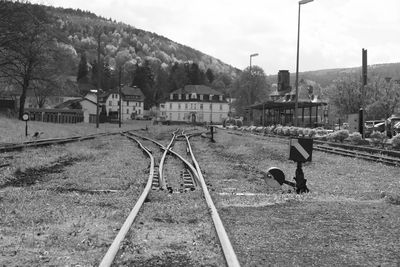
(113, 249)
(358, 154)
(227, 248)
(163, 184)
(46, 142)
(188, 164)
(354, 152)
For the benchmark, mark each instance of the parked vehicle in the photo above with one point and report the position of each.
(374, 126)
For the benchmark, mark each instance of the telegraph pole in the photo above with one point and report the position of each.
(364, 82)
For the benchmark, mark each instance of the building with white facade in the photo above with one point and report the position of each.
(132, 102)
(196, 103)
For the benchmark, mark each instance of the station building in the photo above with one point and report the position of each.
(196, 103)
(280, 108)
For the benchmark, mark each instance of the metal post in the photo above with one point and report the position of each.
(296, 103)
(98, 80)
(120, 99)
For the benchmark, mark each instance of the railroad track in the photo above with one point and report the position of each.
(375, 155)
(8, 147)
(191, 176)
(357, 154)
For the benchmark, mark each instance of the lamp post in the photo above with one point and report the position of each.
(296, 104)
(251, 75)
(252, 55)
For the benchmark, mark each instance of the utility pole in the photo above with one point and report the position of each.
(120, 97)
(98, 79)
(364, 83)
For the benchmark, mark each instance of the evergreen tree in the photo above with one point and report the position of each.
(82, 68)
(210, 76)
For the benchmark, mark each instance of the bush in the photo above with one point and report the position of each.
(338, 136)
(355, 138)
(294, 131)
(378, 138)
(286, 131)
(312, 133)
(341, 135)
(396, 141)
(278, 130)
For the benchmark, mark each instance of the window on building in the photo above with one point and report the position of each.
(201, 106)
(170, 105)
(127, 111)
(138, 111)
(179, 116)
(186, 106)
(220, 106)
(211, 106)
(110, 103)
(127, 103)
(170, 115)
(112, 96)
(179, 106)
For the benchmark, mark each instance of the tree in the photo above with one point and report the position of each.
(82, 68)
(144, 79)
(210, 76)
(178, 77)
(250, 88)
(30, 56)
(383, 98)
(345, 94)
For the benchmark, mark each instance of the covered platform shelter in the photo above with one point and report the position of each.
(280, 107)
(311, 113)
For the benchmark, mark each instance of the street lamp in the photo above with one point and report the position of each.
(252, 55)
(251, 75)
(296, 105)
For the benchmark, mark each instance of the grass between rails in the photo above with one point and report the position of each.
(351, 216)
(59, 218)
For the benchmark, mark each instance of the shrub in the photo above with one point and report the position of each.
(378, 138)
(312, 133)
(278, 130)
(294, 131)
(341, 135)
(286, 131)
(396, 141)
(355, 138)
(338, 136)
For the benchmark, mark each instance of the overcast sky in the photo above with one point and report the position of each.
(332, 32)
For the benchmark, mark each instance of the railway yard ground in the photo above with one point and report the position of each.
(62, 205)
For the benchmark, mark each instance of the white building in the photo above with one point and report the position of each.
(132, 102)
(195, 103)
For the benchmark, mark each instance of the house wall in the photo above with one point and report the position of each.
(88, 108)
(203, 111)
(128, 107)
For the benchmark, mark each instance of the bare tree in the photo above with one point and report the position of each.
(29, 55)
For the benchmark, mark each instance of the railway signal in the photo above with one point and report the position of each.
(300, 151)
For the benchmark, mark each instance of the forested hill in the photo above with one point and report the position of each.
(152, 62)
(80, 28)
(327, 76)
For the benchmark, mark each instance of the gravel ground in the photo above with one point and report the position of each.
(53, 213)
(350, 218)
